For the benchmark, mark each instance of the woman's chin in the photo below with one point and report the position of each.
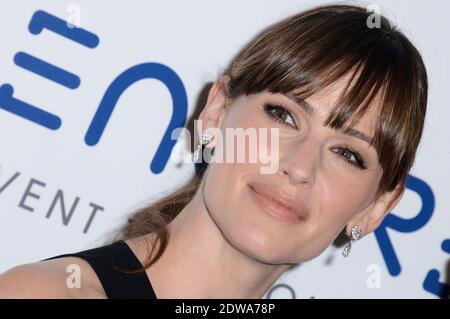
(257, 245)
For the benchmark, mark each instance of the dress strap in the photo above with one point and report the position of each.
(112, 264)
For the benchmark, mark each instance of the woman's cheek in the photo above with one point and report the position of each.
(341, 200)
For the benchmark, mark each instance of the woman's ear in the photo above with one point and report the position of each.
(215, 108)
(371, 217)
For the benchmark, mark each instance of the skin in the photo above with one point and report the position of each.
(221, 244)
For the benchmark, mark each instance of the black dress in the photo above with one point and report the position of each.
(111, 264)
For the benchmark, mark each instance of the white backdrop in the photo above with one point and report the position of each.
(65, 184)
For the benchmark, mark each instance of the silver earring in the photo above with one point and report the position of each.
(205, 138)
(355, 234)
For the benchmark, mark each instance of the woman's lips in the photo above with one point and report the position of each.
(275, 203)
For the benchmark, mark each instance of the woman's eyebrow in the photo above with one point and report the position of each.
(305, 106)
(308, 109)
(358, 134)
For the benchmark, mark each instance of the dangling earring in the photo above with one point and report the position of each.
(355, 234)
(205, 138)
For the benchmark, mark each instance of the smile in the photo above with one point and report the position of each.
(273, 208)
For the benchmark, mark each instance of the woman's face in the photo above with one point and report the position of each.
(333, 175)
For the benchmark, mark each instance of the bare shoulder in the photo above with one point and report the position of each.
(67, 277)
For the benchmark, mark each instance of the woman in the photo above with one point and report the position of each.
(347, 100)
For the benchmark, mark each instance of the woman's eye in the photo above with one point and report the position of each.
(352, 157)
(279, 114)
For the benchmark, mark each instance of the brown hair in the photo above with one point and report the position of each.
(307, 52)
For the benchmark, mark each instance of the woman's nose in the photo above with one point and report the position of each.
(300, 162)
